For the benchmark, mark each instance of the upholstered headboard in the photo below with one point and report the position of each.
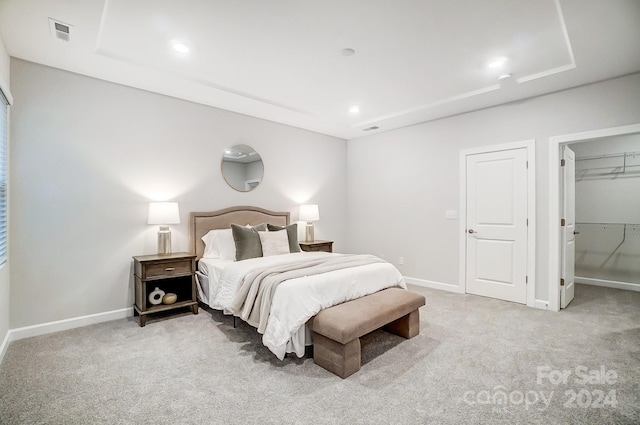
(200, 223)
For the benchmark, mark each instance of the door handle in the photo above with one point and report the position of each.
(471, 231)
(576, 233)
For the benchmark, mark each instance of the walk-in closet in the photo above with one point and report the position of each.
(608, 212)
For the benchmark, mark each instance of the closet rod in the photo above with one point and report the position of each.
(624, 235)
(605, 224)
(613, 155)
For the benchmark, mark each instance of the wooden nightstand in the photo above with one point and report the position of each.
(326, 246)
(173, 273)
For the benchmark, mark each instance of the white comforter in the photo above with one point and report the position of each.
(297, 300)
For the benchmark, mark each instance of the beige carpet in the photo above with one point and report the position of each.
(477, 360)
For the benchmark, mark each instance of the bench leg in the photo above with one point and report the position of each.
(407, 326)
(340, 359)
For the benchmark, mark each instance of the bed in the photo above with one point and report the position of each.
(279, 290)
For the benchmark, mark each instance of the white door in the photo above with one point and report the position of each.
(496, 225)
(568, 223)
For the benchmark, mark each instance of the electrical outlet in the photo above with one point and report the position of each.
(401, 260)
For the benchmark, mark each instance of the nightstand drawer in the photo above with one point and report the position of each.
(326, 246)
(168, 268)
(316, 248)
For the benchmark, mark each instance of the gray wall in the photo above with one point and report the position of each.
(87, 156)
(4, 270)
(604, 194)
(401, 182)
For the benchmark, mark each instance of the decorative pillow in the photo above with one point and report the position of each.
(224, 244)
(209, 251)
(247, 241)
(262, 227)
(274, 243)
(219, 243)
(292, 234)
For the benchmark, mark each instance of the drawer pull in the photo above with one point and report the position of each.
(169, 269)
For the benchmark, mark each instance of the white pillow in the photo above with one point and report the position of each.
(274, 243)
(225, 245)
(209, 250)
(219, 244)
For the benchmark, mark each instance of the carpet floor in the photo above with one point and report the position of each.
(476, 361)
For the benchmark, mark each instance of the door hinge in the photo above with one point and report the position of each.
(527, 222)
(527, 164)
(562, 162)
(526, 279)
(562, 222)
(561, 282)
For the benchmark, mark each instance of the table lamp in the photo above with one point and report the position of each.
(164, 213)
(309, 213)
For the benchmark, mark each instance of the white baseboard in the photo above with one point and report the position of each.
(608, 283)
(62, 325)
(541, 304)
(434, 285)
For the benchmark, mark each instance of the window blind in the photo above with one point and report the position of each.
(3, 176)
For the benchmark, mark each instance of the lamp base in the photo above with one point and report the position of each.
(164, 241)
(309, 237)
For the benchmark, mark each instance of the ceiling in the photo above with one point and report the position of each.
(285, 61)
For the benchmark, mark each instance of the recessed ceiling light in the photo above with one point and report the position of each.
(497, 62)
(354, 109)
(179, 46)
(348, 52)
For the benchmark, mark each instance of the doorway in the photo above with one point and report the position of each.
(497, 225)
(556, 200)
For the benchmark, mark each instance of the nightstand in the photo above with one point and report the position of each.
(173, 273)
(326, 246)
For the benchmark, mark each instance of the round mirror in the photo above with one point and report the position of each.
(242, 167)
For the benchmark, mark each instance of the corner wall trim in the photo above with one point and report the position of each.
(434, 285)
(62, 325)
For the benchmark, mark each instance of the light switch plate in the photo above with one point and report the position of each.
(451, 214)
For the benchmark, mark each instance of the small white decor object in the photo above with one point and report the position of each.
(156, 296)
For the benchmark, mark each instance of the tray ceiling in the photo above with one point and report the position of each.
(285, 61)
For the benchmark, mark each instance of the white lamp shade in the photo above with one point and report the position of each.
(309, 212)
(163, 213)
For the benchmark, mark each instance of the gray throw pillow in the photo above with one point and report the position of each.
(247, 241)
(292, 234)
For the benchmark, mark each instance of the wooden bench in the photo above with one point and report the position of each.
(337, 330)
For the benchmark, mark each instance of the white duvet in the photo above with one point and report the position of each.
(297, 300)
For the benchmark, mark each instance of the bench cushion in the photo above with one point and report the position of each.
(353, 319)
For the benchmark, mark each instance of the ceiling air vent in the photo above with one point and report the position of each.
(60, 30)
